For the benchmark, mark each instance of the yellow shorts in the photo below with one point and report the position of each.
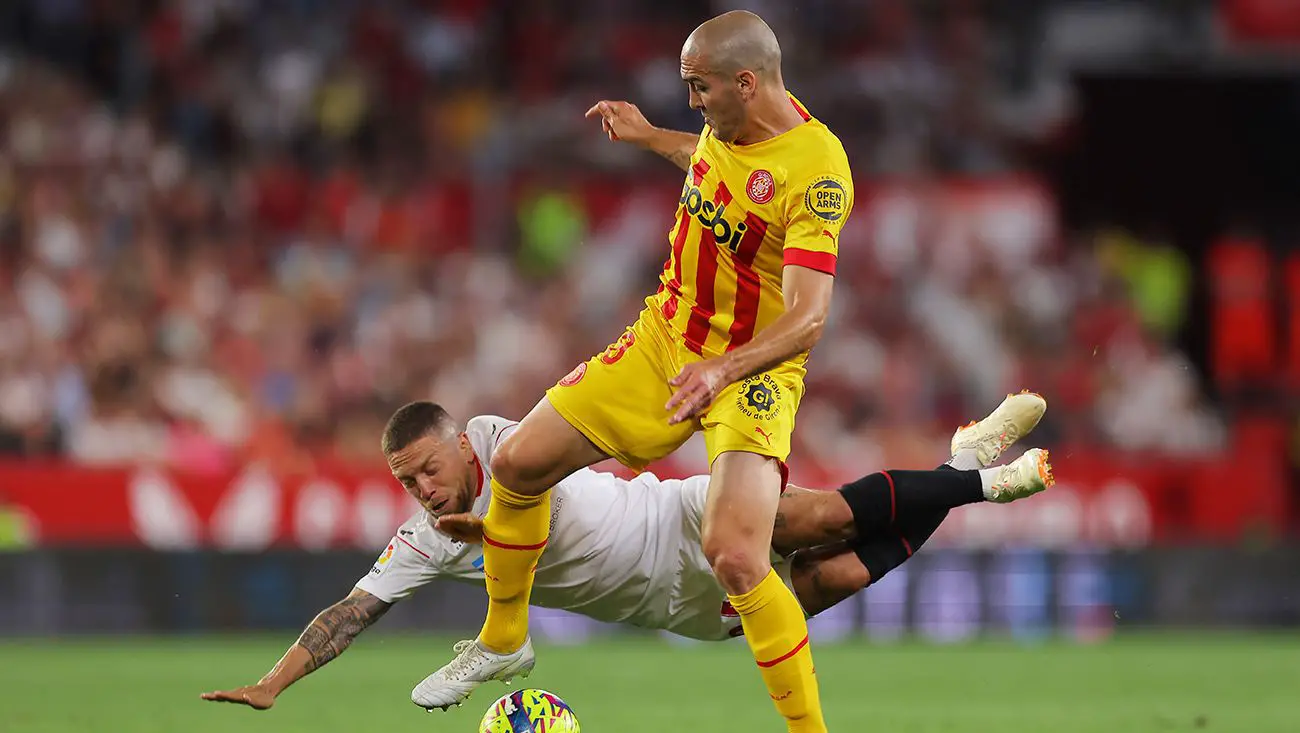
(617, 399)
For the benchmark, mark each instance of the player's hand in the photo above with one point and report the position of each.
(464, 527)
(621, 121)
(254, 696)
(698, 384)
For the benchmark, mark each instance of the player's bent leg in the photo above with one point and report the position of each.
(744, 491)
(541, 451)
(824, 576)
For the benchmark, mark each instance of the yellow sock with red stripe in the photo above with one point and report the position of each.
(514, 534)
(778, 636)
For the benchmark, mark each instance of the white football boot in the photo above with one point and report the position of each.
(1010, 421)
(1025, 476)
(472, 666)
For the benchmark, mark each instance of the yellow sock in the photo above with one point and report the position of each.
(778, 636)
(514, 534)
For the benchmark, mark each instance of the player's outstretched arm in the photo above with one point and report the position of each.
(331, 632)
(623, 121)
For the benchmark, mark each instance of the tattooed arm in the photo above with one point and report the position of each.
(331, 632)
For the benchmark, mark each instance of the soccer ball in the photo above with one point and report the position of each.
(529, 711)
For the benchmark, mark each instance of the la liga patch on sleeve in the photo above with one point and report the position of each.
(382, 563)
(827, 198)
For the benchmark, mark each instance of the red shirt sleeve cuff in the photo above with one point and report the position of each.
(819, 261)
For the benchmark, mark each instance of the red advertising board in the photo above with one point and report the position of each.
(1115, 501)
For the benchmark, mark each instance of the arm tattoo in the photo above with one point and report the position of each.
(680, 158)
(333, 629)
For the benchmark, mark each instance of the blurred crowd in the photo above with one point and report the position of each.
(237, 231)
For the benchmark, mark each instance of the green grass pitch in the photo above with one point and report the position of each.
(1235, 684)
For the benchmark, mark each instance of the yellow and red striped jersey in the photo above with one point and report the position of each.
(747, 211)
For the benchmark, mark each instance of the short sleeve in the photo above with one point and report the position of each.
(815, 212)
(400, 569)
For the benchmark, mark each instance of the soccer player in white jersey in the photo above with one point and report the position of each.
(645, 532)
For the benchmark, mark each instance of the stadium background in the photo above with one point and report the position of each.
(235, 235)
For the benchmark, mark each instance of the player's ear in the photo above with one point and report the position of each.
(746, 84)
(466, 450)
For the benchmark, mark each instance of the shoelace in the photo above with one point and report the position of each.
(995, 444)
(464, 663)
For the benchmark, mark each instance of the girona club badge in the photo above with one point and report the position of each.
(760, 187)
(574, 376)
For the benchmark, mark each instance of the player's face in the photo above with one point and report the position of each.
(717, 97)
(438, 473)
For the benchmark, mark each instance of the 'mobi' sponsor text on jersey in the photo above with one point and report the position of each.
(745, 212)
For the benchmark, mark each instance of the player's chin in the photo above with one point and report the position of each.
(724, 135)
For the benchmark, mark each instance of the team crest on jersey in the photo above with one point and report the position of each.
(574, 376)
(759, 397)
(827, 198)
(760, 187)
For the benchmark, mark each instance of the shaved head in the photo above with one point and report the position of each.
(733, 42)
(732, 66)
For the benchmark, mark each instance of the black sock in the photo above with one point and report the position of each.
(882, 553)
(898, 498)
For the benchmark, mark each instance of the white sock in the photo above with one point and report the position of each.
(987, 477)
(966, 459)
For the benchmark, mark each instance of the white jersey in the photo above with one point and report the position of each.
(619, 551)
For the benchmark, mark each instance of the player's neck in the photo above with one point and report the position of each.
(772, 115)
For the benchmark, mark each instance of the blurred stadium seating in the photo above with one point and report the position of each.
(235, 235)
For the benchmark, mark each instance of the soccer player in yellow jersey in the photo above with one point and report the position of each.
(720, 348)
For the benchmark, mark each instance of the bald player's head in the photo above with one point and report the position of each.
(729, 63)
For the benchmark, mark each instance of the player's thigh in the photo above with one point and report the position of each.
(755, 415)
(744, 490)
(541, 451)
(823, 576)
(807, 518)
(616, 399)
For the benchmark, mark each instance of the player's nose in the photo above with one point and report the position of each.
(426, 489)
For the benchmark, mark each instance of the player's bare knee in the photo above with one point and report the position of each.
(518, 468)
(737, 570)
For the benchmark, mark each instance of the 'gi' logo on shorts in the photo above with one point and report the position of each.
(759, 397)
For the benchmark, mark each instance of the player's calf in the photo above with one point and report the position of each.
(824, 576)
